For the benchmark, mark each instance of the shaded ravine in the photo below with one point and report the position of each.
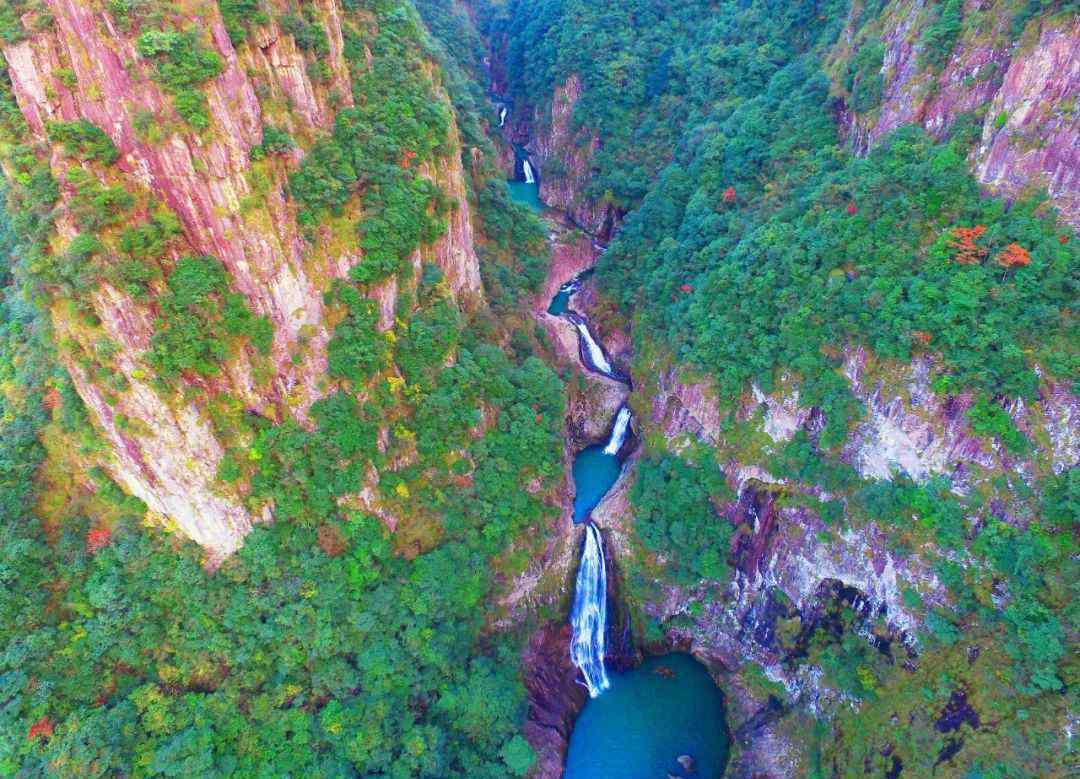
(587, 671)
(595, 470)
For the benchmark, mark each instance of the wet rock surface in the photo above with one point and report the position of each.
(555, 697)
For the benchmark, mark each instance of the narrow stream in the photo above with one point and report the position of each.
(597, 468)
(665, 719)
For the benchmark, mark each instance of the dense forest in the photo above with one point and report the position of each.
(328, 646)
(363, 631)
(755, 246)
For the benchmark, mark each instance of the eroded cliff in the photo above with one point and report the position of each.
(224, 184)
(938, 65)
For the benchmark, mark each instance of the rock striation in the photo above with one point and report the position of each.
(1022, 92)
(83, 65)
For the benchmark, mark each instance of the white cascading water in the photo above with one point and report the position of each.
(527, 168)
(596, 354)
(589, 616)
(618, 433)
(502, 116)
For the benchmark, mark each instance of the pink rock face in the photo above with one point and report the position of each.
(1031, 130)
(571, 253)
(682, 408)
(1039, 142)
(455, 252)
(170, 456)
(554, 138)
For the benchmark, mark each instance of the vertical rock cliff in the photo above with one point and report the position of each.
(230, 202)
(1017, 88)
(565, 155)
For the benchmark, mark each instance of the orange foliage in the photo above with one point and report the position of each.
(329, 539)
(406, 158)
(687, 288)
(51, 399)
(922, 337)
(729, 195)
(1014, 256)
(42, 728)
(967, 251)
(1063, 239)
(97, 538)
(852, 209)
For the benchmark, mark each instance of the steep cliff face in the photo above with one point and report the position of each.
(564, 153)
(790, 565)
(1020, 90)
(85, 65)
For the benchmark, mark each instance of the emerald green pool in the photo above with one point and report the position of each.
(526, 194)
(560, 302)
(594, 474)
(637, 728)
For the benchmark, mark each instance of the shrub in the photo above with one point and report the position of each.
(864, 78)
(990, 419)
(357, 349)
(95, 206)
(238, 15)
(275, 141)
(309, 36)
(84, 139)
(198, 312)
(940, 36)
(182, 64)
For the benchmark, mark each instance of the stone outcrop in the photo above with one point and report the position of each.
(1021, 90)
(788, 563)
(555, 698)
(1038, 143)
(84, 66)
(565, 159)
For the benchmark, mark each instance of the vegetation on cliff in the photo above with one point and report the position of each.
(328, 645)
(353, 634)
(759, 249)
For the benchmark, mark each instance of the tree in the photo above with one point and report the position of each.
(1014, 256)
(968, 252)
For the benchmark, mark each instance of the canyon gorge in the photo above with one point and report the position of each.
(392, 387)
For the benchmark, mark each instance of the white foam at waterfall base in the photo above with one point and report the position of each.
(527, 169)
(502, 116)
(596, 354)
(618, 433)
(589, 615)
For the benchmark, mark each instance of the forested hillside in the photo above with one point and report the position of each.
(347, 636)
(290, 422)
(774, 259)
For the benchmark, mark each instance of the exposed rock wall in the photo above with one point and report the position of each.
(788, 562)
(565, 158)
(84, 66)
(1023, 92)
(555, 698)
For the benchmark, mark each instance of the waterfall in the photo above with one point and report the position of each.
(589, 616)
(572, 286)
(527, 168)
(596, 354)
(618, 433)
(502, 116)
